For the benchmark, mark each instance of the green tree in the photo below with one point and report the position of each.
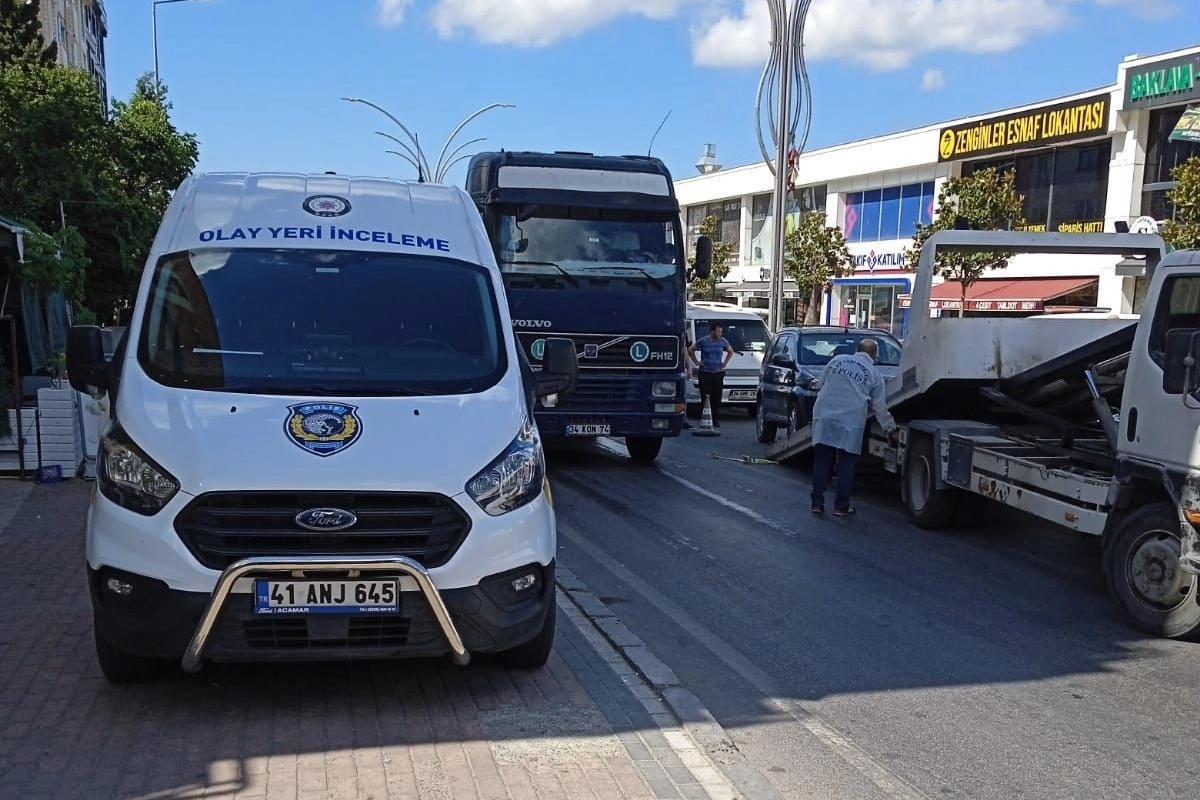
(1183, 232)
(984, 201)
(53, 261)
(815, 254)
(150, 157)
(722, 251)
(21, 40)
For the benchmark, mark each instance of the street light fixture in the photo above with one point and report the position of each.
(154, 34)
(415, 155)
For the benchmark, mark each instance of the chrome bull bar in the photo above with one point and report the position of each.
(248, 567)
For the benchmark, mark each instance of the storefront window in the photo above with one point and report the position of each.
(869, 305)
(760, 230)
(1162, 156)
(729, 224)
(1064, 189)
(894, 212)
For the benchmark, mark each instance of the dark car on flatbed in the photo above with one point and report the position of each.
(796, 357)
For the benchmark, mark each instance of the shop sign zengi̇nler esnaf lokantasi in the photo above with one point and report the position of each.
(1073, 120)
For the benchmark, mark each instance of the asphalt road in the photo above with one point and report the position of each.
(864, 658)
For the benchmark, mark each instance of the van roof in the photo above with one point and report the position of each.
(321, 211)
(697, 308)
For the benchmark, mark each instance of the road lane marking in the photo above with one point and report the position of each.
(889, 782)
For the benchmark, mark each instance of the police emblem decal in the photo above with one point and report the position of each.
(326, 205)
(323, 428)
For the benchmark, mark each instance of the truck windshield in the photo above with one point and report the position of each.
(636, 249)
(321, 323)
(743, 335)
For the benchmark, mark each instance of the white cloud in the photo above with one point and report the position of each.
(391, 12)
(932, 80)
(1154, 10)
(880, 34)
(539, 23)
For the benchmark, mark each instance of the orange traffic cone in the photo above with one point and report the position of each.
(706, 424)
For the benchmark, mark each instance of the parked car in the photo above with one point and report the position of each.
(795, 358)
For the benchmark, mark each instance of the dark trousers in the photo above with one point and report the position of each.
(823, 458)
(712, 384)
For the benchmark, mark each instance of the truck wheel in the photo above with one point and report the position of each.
(120, 667)
(536, 652)
(1141, 563)
(765, 431)
(929, 507)
(643, 448)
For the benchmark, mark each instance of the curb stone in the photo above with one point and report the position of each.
(718, 763)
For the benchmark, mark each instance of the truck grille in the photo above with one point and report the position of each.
(222, 527)
(605, 393)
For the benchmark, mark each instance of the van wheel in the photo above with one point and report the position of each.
(765, 431)
(929, 507)
(1141, 564)
(536, 652)
(643, 448)
(120, 667)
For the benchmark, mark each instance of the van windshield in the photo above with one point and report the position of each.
(743, 335)
(321, 323)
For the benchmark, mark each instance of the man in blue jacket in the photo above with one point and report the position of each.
(849, 389)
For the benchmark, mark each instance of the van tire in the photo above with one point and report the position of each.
(120, 667)
(643, 448)
(1141, 545)
(536, 652)
(929, 507)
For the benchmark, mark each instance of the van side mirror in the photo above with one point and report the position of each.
(87, 369)
(1181, 373)
(704, 252)
(560, 369)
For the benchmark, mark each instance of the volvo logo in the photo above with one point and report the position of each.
(326, 519)
(531, 323)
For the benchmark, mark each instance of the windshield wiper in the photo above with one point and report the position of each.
(651, 278)
(571, 278)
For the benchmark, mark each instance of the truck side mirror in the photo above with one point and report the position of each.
(704, 254)
(1181, 373)
(560, 369)
(87, 369)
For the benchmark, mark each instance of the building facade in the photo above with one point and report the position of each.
(1098, 160)
(79, 28)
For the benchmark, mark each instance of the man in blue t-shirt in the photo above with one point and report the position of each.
(715, 353)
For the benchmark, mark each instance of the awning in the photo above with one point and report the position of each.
(997, 294)
(17, 231)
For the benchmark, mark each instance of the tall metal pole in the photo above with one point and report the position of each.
(154, 41)
(775, 306)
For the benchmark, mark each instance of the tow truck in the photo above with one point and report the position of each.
(1090, 423)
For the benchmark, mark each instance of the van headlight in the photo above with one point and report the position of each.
(662, 389)
(129, 477)
(514, 478)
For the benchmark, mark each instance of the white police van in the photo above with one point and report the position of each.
(747, 335)
(321, 443)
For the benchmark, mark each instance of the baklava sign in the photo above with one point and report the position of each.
(1064, 122)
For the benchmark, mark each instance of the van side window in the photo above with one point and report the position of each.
(1178, 307)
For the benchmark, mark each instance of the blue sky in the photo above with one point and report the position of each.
(260, 81)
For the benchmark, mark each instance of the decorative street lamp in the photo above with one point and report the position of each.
(415, 156)
(785, 73)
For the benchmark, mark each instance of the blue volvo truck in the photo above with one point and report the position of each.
(592, 250)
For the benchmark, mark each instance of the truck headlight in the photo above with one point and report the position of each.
(662, 389)
(514, 478)
(129, 477)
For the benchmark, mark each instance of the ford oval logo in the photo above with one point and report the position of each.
(326, 519)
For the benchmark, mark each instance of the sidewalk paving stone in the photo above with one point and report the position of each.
(369, 731)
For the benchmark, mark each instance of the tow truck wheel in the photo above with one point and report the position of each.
(765, 431)
(1141, 563)
(930, 508)
(643, 448)
(120, 667)
(536, 652)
